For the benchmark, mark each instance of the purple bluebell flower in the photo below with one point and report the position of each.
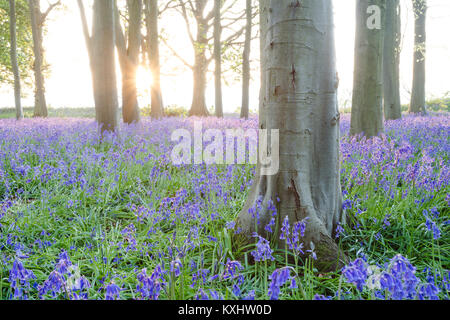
(285, 229)
(263, 251)
(20, 278)
(232, 269)
(149, 287)
(356, 273)
(112, 292)
(236, 290)
(175, 267)
(278, 278)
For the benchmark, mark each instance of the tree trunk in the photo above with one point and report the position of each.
(14, 64)
(391, 61)
(87, 36)
(198, 107)
(218, 58)
(104, 72)
(418, 88)
(246, 63)
(367, 104)
(152, 12)
(299, 99)
(40, 105)
(129, 60)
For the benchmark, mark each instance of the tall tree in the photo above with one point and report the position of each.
(218, 58)
(24, 43)
(37, 26)
(100, 47)
(14, 63)
(367, 103)
(198, 107)
(391, 61)
(299, 99)
(418, 87)
(129, 48)
(151, 18)
(246, 62)
(201, 42)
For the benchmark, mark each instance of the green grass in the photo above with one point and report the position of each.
(52, 112)
(91, 229)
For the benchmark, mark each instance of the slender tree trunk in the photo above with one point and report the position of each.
(152, 12)
(367, 104)
(14, 64)
(418, 88)
(87, 36)
(104, 72)
(246, 63)
(299, 99)
(198, 107)
(391, 61)
(218, 58)
(40, 105)
(129, 59)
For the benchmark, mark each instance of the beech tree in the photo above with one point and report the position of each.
(198, 13)
(24, 43)
(129, 47)
(218, 58)
(367, 103)
(37, 26)
(100, 47)
(152, 48)
(391, 61)
(14, 63)
(418, 87)
(246, 61)
(298, 97)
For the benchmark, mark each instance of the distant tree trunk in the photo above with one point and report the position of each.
(198, 107)
(152, 12)
(40, 105)
(418, 88)
(299, 99)
(391, 61)
(218, 58)
(129, 59)
(87, 36)
(246, 62)
(367, 104)
(196, 9)
(14, 64)
(104, 72)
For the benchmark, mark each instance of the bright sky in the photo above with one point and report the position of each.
(69, 84)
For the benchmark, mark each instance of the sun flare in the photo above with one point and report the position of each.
(144, 79)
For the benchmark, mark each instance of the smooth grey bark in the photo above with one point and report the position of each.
(299, 99)
(391, 61)
(128, 48)
(104, 72)
(40, 104)
(417, 104)
(367, 102)
(246, 62)
(14, 64)
(218, 59)
(151, 13)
